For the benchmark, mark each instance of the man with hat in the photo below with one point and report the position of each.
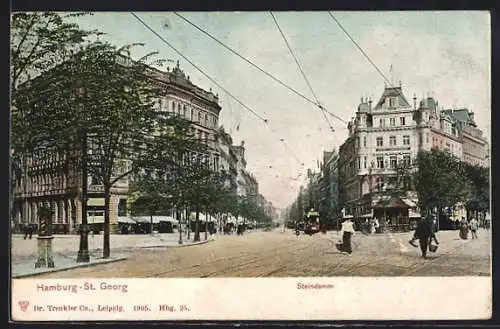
(424, 232)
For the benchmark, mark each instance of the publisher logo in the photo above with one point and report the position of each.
(23, 304)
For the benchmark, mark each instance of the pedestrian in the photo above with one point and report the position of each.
(25, 231)
(30, 230)
(347, 232)
(473, 225)
(433, 225)
(464, 229)
(425, 233)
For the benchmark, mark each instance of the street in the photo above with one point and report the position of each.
(282, 254)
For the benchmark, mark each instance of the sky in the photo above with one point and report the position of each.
(445, 55)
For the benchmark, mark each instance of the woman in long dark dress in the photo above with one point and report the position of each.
(464, 229)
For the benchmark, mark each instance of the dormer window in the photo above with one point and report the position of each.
(392, 102)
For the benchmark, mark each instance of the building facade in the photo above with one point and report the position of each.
(474, 145)
(55, 180)
(382, 146)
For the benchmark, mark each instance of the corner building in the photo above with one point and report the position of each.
(383, 142)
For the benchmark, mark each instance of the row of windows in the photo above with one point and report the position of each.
(190, 113)
(381, 162)
(392, 162)
(392, 141)
(392, 122)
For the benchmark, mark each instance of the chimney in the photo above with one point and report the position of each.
(471, 116)
(414, 101)
(370, 103)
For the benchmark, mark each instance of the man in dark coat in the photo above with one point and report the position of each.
(424, 232)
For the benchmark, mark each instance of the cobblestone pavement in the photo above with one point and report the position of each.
(65, 250)
(281, 254)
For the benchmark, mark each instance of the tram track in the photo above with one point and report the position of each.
(250, 258)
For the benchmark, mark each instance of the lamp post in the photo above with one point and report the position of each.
(83, 251)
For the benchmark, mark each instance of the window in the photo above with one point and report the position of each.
(179, 109)
(392, 122)
(427, 138)
(406, 140)
(392, 102)
(380, 141)
(364, 162)
(185, 111)
(392, 140)
(402, 121)
(206, 120)
(173, 106)
(364, 141)
(380, 162)
(381, 122)
(393, 161)
(192, 115)
(358, 162)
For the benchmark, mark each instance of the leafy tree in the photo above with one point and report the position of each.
(440, 181)
(39, 42)
(149, 199)
(106, 102)
(479, 177)
(172, 164)
(199, 187)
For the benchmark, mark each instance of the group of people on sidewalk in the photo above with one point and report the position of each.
(425, 233)
(465, 226)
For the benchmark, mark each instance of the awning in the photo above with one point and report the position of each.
(126, 220)
(409, 202)
(347, 216)
(146, 219)
(392, 202)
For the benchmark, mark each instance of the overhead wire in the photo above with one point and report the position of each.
(301, 71)
(365, 54)
(260, 69)
(197, 67)
(215, 82)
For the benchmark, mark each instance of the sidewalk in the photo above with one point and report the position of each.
(65, 250)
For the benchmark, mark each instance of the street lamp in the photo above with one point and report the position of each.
(83, 251)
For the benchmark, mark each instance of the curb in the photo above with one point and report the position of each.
(176, 246)
(66, 268)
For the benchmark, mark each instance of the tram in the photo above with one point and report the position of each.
(312, 222)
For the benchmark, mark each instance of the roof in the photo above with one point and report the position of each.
(392, 202)
(393, 92)
(461, 115)
(429, 103)
(363, 107)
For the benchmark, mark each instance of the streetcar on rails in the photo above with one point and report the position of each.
(312, 222)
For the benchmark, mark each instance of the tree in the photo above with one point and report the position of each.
(149, 200)
(109, 103)
(479, 177)
(39, 42)
(172, 165)
(198, 188)
(440, 181)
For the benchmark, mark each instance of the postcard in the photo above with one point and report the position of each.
(250, 166)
